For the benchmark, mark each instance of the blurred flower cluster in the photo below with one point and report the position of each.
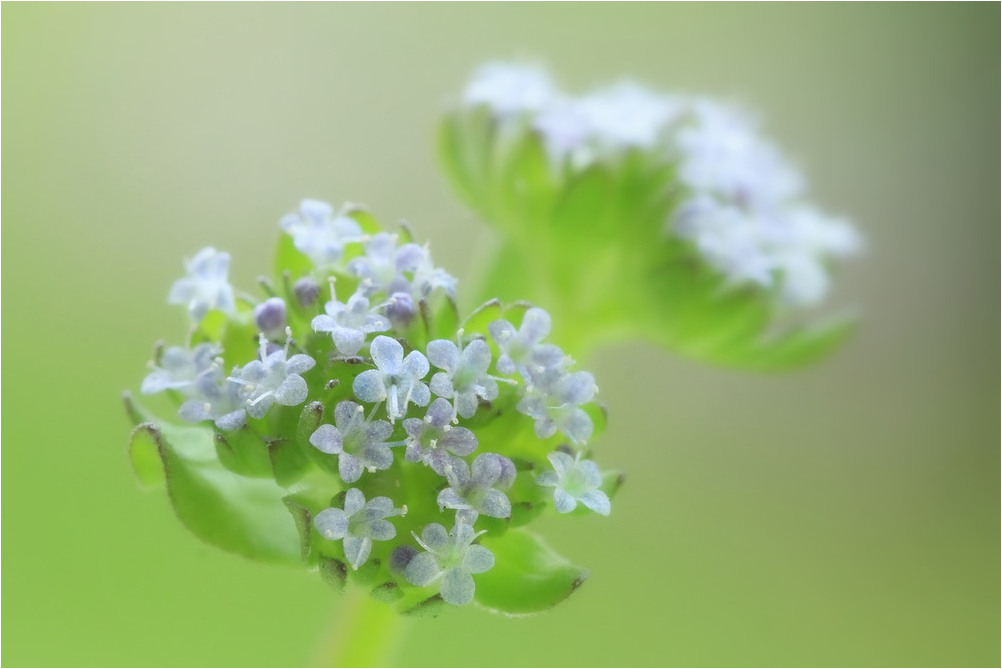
(313, 427)
(679, 197)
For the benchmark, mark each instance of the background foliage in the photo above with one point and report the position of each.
(840, 516)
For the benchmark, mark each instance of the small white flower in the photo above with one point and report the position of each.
(478, 488)
(553, 399)
(521, 348)
(215, 398)
(465, 377)
(179, 368)
(358, 524)
(360, 444)
(574, 480)
(273, 379)
(452, 558)
(396, 379)
(349, 323)
(434, 441)
(319, 233)
(206, 287)
(509, 89)
(627, 116)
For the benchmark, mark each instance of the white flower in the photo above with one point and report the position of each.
(553, 399)
(476, 488)
(179, 368)
(434, 441)
(465, 377)
(574, 480)
(319, 233)
(452, 558)
(205, 288)
(509, 89)
(349, 323)
(273, 379)
(358, 524)
(359, 443)
(627, 116)
(397, 380)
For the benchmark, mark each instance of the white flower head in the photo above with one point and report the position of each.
(358, 524)
(206, 286)
(553, 399)
(451, 558)
(215, 398)
(396, 379)
(574, 480)
(319, 233)
(627, 116)
(509, 89)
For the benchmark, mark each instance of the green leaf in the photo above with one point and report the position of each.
(145, 456)
(289, 258)
(232, 512)
(799, 347)
(528, 576)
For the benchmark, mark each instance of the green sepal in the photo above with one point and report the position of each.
(288, 463)
(334, 572)
(238, 514)
(528, 576)
(144, 453)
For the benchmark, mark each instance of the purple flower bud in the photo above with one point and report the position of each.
(269, 316)
(306, 291)
(400, 309)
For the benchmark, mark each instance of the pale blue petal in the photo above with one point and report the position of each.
(435, 537)
(457, 587)
(326, 438)
(439, 413)
(548, 479)
(422, 570)
(597, 501)
(563, 502)
(486, 469)
(449, 499)
(347, 340)
(478, 559)
(232, 421)
(382, 530)
(387, 354)
(331, 523)
(299, 363)
(495, 504)
(349, 468)
(368, 386)
(356, 550)
(354, 501)
(195, 411)
(346, 413)
(477, 355)
(561, 462)
(535, 324)
(416, 364)
(459, 440)
(292, 391)
(577, 426)
(592, 476)
(441, 385)
(420, 395)
(443, 354)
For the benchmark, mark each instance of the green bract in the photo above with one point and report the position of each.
(631, 213)
(351, 421)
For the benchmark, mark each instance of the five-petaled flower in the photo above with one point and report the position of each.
(452, 558)
(358, 524)
(574, 480)
(396, 379)
(358, 442)
(206, 286)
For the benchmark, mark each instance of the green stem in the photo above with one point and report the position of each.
(364, 632)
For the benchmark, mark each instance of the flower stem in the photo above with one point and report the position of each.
(364, 632)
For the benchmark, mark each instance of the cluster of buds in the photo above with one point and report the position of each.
(703, 210)
(350, 419)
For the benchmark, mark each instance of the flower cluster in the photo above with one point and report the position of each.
(741, 204)
(400, 437)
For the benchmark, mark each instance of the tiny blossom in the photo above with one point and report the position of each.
(359, 443)
(428, 278)
(178, 368)
(396, 379)
(431, 440)
(273, 379)
(465, 377)
(358, 524)
(574, 480)
(319, 233)
(384, 264)
(206, 286)
(349, 323)
(269, 316)
(400, 309)
(519, 347)
(216, 398)
(476, 488)
(553, 399)
(452, 558)
(627, 116)
(509, 90)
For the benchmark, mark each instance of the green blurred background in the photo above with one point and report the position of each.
(843, 515)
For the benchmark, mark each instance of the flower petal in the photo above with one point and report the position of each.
(422, 570)
(327, 439)
(331, 523)
(368, 386)
(478, 559)
(457, 587)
